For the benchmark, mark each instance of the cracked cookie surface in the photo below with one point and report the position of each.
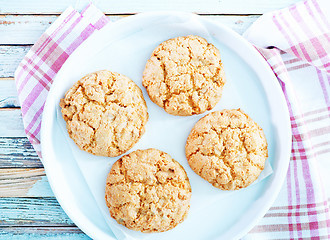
(185, 76)
(227, 148)
(105, 113)
(148, 191)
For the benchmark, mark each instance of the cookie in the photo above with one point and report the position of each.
(105, 113)
(227, 148)
(148, 191)
(185, 76)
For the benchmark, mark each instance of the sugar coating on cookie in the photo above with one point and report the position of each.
(227, 148)
(105, 113)
(148, 191)
(185, 76)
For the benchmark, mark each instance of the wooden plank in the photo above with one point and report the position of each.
(133, 6)
(8, 93)
(27, 29)
(18, 153)
(10, 57)
(49, 233)
(11, 123)
(238, 23)
(23, 29)
(27, 212)
(18, 182)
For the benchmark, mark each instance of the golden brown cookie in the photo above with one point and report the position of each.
(227, 148)
(185, 76)
(148, 191)
(105, 113)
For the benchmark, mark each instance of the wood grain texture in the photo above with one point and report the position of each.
(11, 123)
(10, 57)
(18, 153)
(8, 93)
(27, 29)
(49, 233)
(17, 182)
(23, 29)
(133, 6)
(29, 212)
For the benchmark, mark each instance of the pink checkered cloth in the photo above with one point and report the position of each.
(295, 42)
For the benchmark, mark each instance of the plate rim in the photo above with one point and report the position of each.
(93, 230)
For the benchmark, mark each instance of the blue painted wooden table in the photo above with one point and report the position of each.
(28, 208)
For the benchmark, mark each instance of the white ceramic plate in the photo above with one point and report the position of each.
(124, 47)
